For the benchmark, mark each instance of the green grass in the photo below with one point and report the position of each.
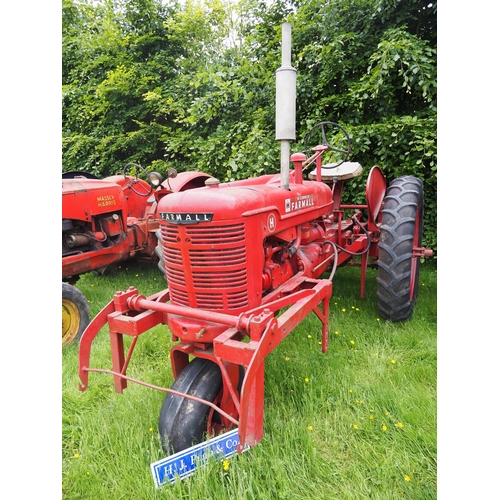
(359, 428)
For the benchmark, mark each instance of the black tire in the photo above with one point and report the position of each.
(75, 314)
(108, 270)
(400, 231)
(159, 253)
(183, 422)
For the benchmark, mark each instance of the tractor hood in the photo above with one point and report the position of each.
(83, 198)
(242, 199)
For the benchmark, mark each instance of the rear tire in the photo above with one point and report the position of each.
(75, 314)
(159, 253)
(183, 422)
(400, 232)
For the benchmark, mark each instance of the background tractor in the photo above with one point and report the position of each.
(105, 222)
(247, 261)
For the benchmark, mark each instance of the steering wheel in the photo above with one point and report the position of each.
(342, 151)
(136, 181)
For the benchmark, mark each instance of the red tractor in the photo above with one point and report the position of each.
(247, 261)
(105, 222)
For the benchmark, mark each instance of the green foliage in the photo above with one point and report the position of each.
(114, 54)
(400, 64)
(405, 145)
(192, 86)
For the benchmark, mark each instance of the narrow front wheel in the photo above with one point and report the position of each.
(184, 422)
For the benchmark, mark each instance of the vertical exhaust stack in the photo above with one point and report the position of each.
(286, 78)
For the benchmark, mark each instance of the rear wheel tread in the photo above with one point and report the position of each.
(403, 206)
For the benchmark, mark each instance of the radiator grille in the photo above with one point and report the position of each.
(212, 274)
(216, 235)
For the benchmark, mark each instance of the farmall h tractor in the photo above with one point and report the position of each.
(246, 262)
(105, 222)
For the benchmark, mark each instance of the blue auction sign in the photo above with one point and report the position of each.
(183, 464)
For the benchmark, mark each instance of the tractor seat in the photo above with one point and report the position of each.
(346, 170)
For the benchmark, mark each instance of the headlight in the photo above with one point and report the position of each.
(155, 179)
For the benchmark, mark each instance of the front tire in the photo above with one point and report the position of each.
(400, 232)
(183, 422)
(75, 314)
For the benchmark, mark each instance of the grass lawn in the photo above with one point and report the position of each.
(358, 422)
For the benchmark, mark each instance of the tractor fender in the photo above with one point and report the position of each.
(375, 193)
(185, 181)
(181, 182)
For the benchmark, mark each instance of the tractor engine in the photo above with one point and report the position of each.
(227, 245)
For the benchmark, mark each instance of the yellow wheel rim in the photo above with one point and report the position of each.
(70, 321)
